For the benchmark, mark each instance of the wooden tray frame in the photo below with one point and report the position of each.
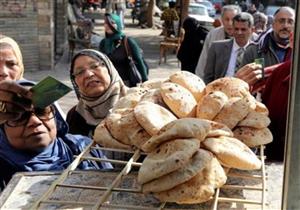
(102, 201)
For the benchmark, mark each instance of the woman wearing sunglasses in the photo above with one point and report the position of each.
(37, 140)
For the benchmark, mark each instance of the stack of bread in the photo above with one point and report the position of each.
(190, 132)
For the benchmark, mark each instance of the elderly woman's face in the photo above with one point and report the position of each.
(32, 131)
(9, 67)
(91, 76)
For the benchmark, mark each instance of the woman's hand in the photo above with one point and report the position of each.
(14, 99)
(250, 73)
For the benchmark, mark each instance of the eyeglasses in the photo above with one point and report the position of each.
(45, 114)
(282, 21)
(94, 67)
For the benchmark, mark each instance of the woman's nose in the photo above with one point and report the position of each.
(3, 71)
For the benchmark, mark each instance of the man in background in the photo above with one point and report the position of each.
(223, 32)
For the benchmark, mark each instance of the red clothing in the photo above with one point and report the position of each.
(275, 97)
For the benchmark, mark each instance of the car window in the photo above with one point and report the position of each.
(194, 10)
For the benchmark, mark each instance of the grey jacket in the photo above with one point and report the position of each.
(218, 58)
(262, 48)
(213, 35)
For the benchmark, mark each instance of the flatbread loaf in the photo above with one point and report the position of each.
(181, 128)
(255, 120)
(232, 153)
(169, 157)
(231, 86)
(152, 117)
(124, 127)
(153, 83)
(252, 136)
(261, 108)
(103, 137)
(197, 163)
(154, 96)
(179, 100)
(198, 189)
(190, 81)
(233, 112)
(129, 100)
(218, 129)
(210, 105)
(136, 90)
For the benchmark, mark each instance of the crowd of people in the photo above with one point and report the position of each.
(35, 139)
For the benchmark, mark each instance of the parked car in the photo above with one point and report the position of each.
(271, 9)
(200, 13)
(210, 7)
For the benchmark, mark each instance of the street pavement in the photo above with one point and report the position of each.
(148, 39)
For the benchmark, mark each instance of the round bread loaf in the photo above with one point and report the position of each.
(103, 137)
(190, 81)
(255, 120)
(211, 104)
(169, 157)
(128, 101)
(179, 100)
(231, 86)
(261, 108)
(253, 137)
(153, 83)
(233, 112)
(152, 117)
(124, 127)
(181, 128)
(232, 153)
(218, 129)
(137, 90)
(197, 163)
(198, 189)
(154, 96)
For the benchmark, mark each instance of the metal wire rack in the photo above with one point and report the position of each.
(116, 190)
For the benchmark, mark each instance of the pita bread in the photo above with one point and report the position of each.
(218, 129)
(105, 139)
(261, 108)
(154, 96)
(124, 127)
(211, 104)
(255, 120)
(231, 86)
(179, 100)
(128, 101)
(153, 83)
(198, 162)
(152, 117)
(190, 81)
(232, 153)
(198, 189)
(252, 136)
(233, 112)
(169, 157)
(136, 90)
(181, 128)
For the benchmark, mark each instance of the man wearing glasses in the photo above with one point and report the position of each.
(274, 46)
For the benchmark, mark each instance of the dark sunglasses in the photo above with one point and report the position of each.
(45, 114)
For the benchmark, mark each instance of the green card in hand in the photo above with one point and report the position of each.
(47, 91)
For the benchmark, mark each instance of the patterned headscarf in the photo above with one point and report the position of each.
(15, 47)
(114, 23)
(95, 109)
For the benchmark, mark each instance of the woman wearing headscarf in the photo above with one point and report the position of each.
(194, 36)
(13, 97)
(98, 87)
(11, 61)
(38, 140)
(113, 45)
